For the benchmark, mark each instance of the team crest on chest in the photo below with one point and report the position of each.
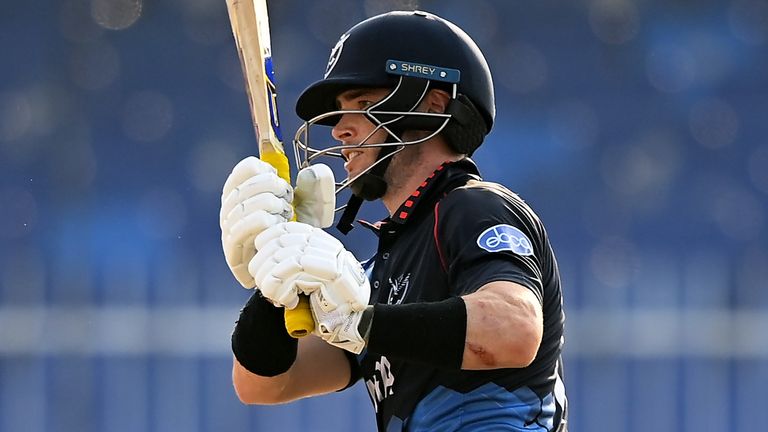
(398, 288)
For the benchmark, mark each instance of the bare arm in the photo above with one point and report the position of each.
(504, 327)
(319, 368)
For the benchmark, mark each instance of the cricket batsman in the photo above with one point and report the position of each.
(456, 323)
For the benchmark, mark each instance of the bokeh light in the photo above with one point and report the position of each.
(738, 213)
(116, 14)
(671, 68)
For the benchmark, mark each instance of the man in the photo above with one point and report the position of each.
(465, 324)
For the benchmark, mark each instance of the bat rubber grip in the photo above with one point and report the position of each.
(298, 321)
(280, 162)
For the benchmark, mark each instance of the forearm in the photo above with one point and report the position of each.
(318, 369)
(255, 389)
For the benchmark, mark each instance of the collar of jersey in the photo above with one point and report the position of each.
(437, 181)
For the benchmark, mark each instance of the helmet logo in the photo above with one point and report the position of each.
(335, 53)
(397, 67)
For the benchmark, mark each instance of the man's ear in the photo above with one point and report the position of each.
(437, 101)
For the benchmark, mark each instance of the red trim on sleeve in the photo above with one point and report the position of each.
(437, 239)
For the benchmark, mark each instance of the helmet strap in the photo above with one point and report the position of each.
(347, 218)
(367, 187)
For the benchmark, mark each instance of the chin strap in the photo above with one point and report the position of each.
(368, 187)
(346, 222)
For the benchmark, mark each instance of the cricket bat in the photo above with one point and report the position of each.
(250, 26)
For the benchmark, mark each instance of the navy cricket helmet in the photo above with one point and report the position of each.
(409, 52)
(360, 58)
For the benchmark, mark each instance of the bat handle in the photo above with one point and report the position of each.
(298, 321)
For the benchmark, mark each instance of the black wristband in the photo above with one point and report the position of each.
(260, 342)
(427, 333)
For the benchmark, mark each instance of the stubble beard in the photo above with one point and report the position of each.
(401, 167)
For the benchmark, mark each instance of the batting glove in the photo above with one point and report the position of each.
(295, 258)
(253, 199)
(339, 326)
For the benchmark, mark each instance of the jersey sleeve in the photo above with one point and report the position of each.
(485, 233)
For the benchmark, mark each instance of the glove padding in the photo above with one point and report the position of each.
(254, 198)
(337, 326)
(294, 258)
(315, 196)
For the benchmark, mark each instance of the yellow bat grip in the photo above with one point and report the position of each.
(298, 321)
(280, 162)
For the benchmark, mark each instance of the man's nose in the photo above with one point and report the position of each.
(344, 129)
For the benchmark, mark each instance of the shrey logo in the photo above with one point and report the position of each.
(505, 237)
(335, 53)
(398, 288)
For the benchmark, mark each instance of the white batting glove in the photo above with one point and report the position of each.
(294, 258)
(253, 199)
(337, 326)
(315, 196)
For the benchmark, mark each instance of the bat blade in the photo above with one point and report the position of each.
(250, 27)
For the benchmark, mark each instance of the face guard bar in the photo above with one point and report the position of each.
(394, 123)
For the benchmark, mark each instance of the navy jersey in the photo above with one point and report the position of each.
(455, 234)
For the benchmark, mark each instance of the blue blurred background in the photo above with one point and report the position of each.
(637, 129)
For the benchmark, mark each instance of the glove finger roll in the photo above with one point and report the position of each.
(278, 291)
(294, 240)
(298, 227)
(269, 184)
(261, 263)
(245, 169)
(269, 234)
(262, 202)
(287, 268)
(248, 227)
(320, 264)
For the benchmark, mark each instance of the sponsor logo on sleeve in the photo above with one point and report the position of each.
(505, 237)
